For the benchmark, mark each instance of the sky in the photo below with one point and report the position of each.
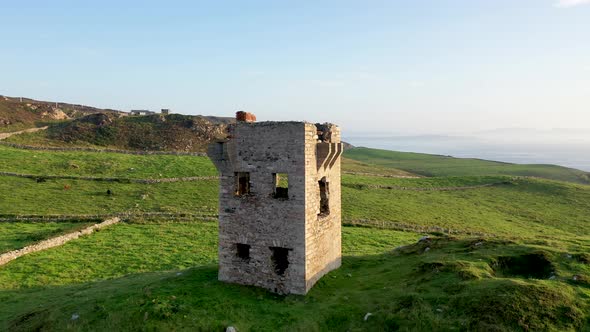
(415, 66)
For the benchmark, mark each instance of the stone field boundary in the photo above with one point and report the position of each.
(204, 216)
(122, 180)
(372, 186)
(81, 149)
(400, 226)
(54, 242)
(383, 175)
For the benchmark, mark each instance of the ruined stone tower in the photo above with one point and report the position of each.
(279, 203)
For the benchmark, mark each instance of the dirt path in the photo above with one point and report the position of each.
(30, 130)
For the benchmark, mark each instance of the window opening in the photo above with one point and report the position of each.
(242, 183)
(243, 251)
(324, 197)
(280, 259)
(281, 188)
(220, 148)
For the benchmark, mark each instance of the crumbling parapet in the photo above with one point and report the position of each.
(245, 117)
(279, 206)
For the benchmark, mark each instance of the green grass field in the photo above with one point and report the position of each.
(531, 272)
(90, 197)
(103, 164)
(163, 277)
(435, 165)
(351, 166)
(530, 208)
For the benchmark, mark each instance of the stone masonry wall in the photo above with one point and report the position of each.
(262, 221)
(322, 233)
(259, 219)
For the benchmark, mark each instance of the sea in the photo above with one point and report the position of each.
(571, 152)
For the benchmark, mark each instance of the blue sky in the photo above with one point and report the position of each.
(438, 66)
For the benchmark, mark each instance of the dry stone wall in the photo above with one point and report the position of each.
(401, 188)
(54, 242)
(106, 179)
(400, 226)
(81, 149)
(204, 216)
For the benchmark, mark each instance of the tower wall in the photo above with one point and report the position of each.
(322, 231)
(270, 228)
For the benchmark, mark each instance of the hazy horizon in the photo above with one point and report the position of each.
(578, 132)
(560, 150)
(559, 146)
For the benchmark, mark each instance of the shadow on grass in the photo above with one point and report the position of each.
(449, 286)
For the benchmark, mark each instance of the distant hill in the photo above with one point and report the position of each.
(20, 113)
(80, 125)
(437, 165)
(173, 132)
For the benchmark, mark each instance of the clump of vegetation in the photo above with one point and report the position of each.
(497, 305)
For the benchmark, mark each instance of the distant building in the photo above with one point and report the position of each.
(141, 112)
(165, 111)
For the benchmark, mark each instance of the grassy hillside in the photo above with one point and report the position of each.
(351, 166)
(80, 125)
(461, 284)
(484, 204)
(172, 132)
(505, 253)
(17, 115)
(103, 164)
(436, 165)
(526, 208)
(90, 197)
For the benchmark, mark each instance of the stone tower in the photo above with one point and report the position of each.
(279, 203)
